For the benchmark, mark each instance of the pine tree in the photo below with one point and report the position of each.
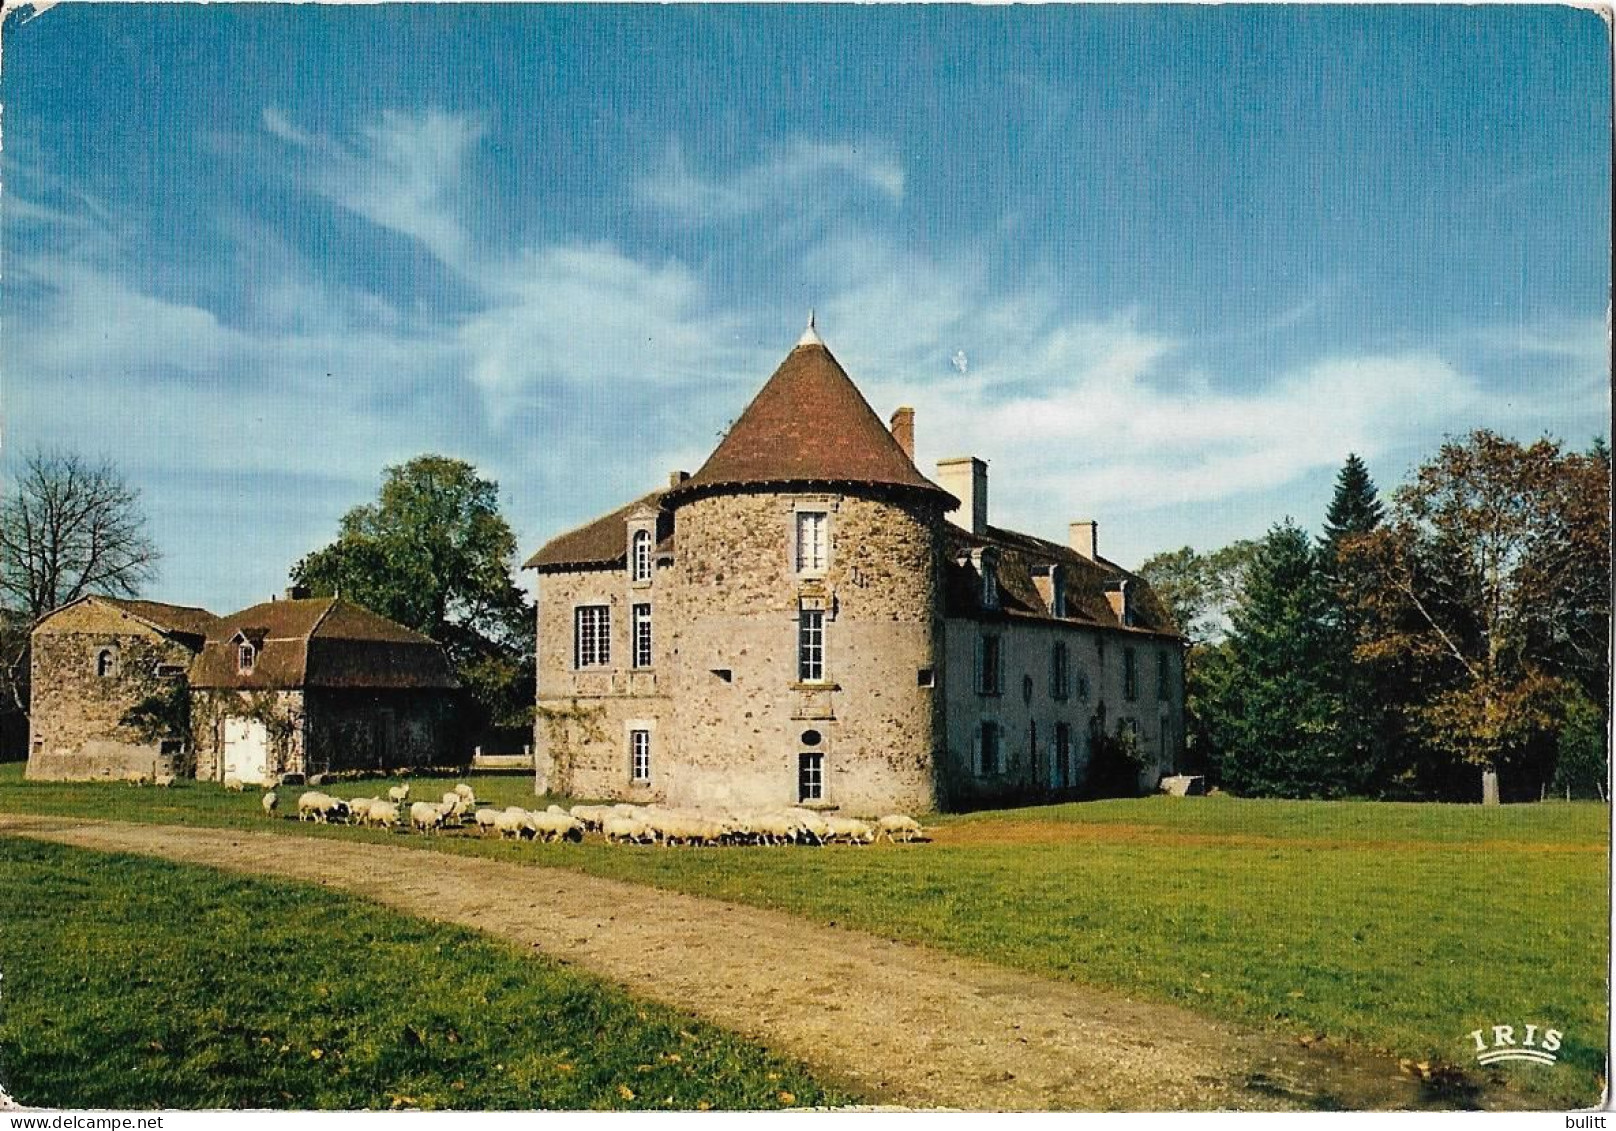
(1274, 714)
(1355, 509)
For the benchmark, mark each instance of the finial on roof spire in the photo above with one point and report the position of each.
(810, 336)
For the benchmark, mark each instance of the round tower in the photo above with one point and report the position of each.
(804, 611)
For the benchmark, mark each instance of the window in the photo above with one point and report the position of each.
(1063, 755)
(170, 671)
(246, 657)
(639, 755)
(810, 777)
(987, 750)
(639, 558)
(990, 581)
(1057, 592)
(1130, 674)
(988, 666)
(642, 636)
(810, 645)
(1060, 671)
(106, 663)
(1163, 688)
(591, 638)
(812, 544)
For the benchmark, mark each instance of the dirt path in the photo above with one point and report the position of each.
(902, 1024)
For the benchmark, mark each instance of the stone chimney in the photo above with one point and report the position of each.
(1084, 537)
(677, 477)
(966, 478)
(903, 430)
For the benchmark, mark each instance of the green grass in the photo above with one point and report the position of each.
(135, 983)
(1399, 927)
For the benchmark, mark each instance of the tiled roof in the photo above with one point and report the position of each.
(320, 642)
(809, 424)
(601, 542)
(185, 620)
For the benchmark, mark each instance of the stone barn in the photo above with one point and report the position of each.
(318, 685)
(92, 661)
(810, 620)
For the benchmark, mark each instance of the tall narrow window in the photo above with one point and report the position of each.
(810, 777)
(812, 544)
(1060, 671)
(642, 636)
(640, 556)
(106, 663)
(1163, 689)
(1057, 591)
(1130, 674)
(591, 638)
(639, 755)
(246, 658)
(1063, 755)
(810, 645)
(987, 749)
(990, 582)
(988, 666)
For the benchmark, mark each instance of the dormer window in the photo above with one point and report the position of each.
(246, 657)
(1057, 592)
(987, 564)
(639, 556)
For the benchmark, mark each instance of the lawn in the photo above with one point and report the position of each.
(1398, 927)
(135, 983)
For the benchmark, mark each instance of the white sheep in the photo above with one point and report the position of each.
(234, 784)
(850, 830)
(426, 816)
(512, 823)
(465, 791)
(399, 794)
(486, 819)
(358, 807)
(164, 780)
(381, 815)
(896, 827)
(555, 826)
(591, 816)
(269, 801)
(619, 829)
(311, 805)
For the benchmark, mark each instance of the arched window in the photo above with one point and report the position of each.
(106, 663)
(640, 556)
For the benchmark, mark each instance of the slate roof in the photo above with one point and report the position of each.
(320, 642)
(809, 424)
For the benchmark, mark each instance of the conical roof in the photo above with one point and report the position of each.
(809, 424)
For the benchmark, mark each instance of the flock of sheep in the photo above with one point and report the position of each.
(619, 824)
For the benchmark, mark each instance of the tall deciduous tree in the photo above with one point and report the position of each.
(1272, 709)
(1490, 591)
(1200, 589)
(434, 554)
(69, 526)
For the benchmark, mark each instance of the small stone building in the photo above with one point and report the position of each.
(318, 685)
(92, 661)
(810, 620)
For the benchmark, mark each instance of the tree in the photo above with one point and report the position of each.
(1355, 508)
(68, 527)
(434, 554)
(1271, 708)
(1489, 590)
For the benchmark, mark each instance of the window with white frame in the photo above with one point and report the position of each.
(591, 636)
(810, 777)
(987, 748)
(639, 558)
(1060, 671)
(639, 755)
(246, 657)
(810, 645)
(642, 636)
(813, 542)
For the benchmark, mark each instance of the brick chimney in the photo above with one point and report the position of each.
(1084, 537)
(966, 478)
(903, 430)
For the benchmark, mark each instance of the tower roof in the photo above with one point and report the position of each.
(809, 424)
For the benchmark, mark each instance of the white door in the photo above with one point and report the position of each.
(246, 751)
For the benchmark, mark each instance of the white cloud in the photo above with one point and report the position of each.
(803, 175)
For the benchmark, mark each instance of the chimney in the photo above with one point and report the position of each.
(677, 477)
(966, 478)
(298, 592)
(903, 430)
(1084, 537)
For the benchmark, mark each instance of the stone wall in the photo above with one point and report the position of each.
(75, 720)
(1027, 711)
(377, 730)
(733, 608)
(281, 712)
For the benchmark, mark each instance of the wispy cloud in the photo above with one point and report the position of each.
(802, 175)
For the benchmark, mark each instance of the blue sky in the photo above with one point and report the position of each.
(1161, 266)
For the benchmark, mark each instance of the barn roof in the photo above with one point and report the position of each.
(171, 620)
(320, 642)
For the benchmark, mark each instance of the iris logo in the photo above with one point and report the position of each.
(1503, 1045)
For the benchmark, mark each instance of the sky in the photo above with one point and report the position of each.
(1161, 267)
